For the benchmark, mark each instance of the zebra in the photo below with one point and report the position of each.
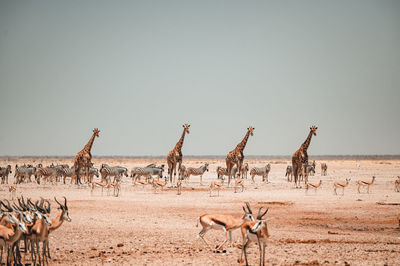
(181, 172)
(196, 171)
(4, 172)
(148, 171)
(60, 170)
(116, 171)
(48, 173)
(24, 173)
(289, 173)
(245, 169)
(324, 168)
(264, 171)
(223, 171)
(70, 172)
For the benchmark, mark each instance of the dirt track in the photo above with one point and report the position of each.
(141, 227)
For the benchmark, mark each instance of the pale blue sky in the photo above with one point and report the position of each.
(138, 70)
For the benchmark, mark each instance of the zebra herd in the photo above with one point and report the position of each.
(62, 172)
(310, 170)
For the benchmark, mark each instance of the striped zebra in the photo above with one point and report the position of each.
(181, 172)
(245, 169)
(148, 172)
(4, 172)
(24, 172)
(196, 171)
(223, 171)
(48, 173)
(324, 168)
(289, 173)
(70, 172)
(116, 171)
(263, 171)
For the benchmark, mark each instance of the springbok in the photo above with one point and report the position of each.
(365, 183)
(224, 222)
(158, 184)
(239, 183)
(315, 186)
(397, 184)
(255, 231)
(215, 185)
(337, 185)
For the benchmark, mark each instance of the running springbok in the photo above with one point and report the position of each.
(315, 186)
(224, 222)
(337, 185)
(365, 183)
(215, 185)
(255, 231)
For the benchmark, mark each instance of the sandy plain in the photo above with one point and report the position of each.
(141, 227)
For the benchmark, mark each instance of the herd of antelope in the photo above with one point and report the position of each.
(29, 224)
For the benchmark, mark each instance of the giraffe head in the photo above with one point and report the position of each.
(314, 130)
(251, 129)
(186, 127)
(96, 132)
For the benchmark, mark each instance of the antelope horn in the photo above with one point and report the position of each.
(248, 207)
(264, 213)
(57, 201)
(65, 202)
(258, 214)
(41, 202)
(8, 203)
(48, 206)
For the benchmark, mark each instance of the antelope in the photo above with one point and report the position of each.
(13, 190)
(397, 184)
(179, 186)
(224, 222)
(340, 184)
(56, 222)
(239, 183)
(215, 185)
(158, 184)
(365, 183)
(255, 231)
(141, 182)
(315, 186)
(116, 187)
(98, 184)
(40, 233)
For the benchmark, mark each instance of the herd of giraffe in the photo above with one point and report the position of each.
(234, 160)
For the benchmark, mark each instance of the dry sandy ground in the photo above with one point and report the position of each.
(143, 228)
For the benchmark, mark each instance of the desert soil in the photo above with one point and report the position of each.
(141, 227)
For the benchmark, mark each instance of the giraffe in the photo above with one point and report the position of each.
(301, 157)
(84, 157)
(236, 156)
(174, 157)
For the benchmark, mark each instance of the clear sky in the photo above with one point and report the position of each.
(138, 70)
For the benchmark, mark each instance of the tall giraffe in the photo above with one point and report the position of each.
(236, 156)
(301, 157)
(84, 157)
(174, 157)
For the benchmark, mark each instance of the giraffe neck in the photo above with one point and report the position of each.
(89, 145)
(179, 144)
(243, 143)
(306, 143)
